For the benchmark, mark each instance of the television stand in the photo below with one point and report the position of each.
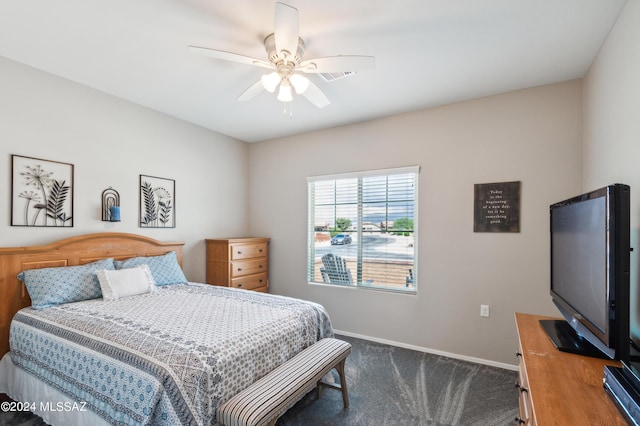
(560, 388)
(566, 339)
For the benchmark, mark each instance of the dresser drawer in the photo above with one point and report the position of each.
(247, 251)
(240, 268)
(524, 399)
(250, 282)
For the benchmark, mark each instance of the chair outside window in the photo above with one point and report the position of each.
(335, 271)
(409, 279)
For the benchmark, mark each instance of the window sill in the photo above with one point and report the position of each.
(413, 292)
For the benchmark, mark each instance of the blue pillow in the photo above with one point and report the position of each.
(164, 269)
(54, 286)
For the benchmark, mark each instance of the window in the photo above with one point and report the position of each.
(362, 229)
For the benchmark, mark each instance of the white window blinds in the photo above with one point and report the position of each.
(362, 229)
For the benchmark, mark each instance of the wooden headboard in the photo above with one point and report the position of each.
(68, 252)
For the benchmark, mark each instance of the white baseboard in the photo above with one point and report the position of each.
(430, 351)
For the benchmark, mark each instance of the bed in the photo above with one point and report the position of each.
(170, 355)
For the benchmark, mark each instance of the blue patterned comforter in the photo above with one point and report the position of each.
(165, 358)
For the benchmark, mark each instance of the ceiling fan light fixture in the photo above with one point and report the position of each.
(270, 81)
(284, 94)
(300, 83)
(285, 49)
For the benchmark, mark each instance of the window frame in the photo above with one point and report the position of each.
(311, 226)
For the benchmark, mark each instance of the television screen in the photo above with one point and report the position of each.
(590, 273)
(579, 233)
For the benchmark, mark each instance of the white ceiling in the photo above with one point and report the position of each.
(428, 53)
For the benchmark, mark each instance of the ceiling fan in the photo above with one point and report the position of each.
(284, 52)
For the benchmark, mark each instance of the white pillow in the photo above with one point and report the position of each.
(125, 282)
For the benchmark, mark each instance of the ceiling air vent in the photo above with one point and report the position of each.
(333, 76)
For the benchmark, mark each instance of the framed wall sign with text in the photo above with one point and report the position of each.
(496, 207)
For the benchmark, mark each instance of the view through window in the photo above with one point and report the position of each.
(362, 229)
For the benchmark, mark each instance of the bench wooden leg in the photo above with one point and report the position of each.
(342, 387)
(343, 383)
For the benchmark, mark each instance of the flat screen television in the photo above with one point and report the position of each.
(590, 273)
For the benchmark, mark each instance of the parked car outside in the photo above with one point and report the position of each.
(341, 239)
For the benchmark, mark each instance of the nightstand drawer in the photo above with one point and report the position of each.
(251, 282)
(247, 251)
(240, 268)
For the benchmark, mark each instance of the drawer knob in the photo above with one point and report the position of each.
(520, 421)
(240, 285)
(520, 388)
(239, 252)
(260, 250)
(239, 269)
(260, 266)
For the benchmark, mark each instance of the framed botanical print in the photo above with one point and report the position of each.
(41, 192)
(157, 202)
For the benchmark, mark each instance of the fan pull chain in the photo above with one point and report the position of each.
(290, 112)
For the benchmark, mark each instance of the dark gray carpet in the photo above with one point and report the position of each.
(394, 386)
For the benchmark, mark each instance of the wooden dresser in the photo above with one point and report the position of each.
(238, 262)
(559, 388)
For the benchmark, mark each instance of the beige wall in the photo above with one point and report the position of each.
(111, 142)
(226, 187)
(533, 136)
(612, 126)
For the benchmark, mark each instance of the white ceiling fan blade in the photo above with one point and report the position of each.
(315, 96)
(228, 56)
(286, 28)
(341, 63)
(252, 91)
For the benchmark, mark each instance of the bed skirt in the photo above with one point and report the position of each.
(54, 407)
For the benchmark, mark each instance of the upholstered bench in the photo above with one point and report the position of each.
(266, 400)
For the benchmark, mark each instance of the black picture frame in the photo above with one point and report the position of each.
(496, 207)
(41, 192)
(157, 202)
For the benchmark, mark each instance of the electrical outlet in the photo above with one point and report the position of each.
(484, 311)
